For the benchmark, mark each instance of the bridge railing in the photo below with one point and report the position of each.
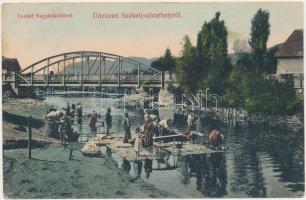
(67, 78)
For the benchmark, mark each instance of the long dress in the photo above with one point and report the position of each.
(148, 133)
(189, 121)
(138, 145)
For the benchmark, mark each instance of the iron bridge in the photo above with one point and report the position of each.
(89, 69)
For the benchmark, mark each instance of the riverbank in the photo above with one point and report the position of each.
(229, 114)
(25, 107)
(238, 116)
(14, 124)
(82, 177)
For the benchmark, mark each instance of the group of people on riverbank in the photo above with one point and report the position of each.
(152, 126)
(149, 127)
(74, 110)
(94, 119)
(60, 124)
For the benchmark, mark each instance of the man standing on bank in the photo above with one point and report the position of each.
(108, 120)
(93, 121)
(127, 128)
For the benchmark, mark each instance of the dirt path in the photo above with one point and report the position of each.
(51, 175)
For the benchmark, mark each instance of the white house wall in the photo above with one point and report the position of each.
(290, 66)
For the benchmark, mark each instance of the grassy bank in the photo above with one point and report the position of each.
(25, 107)
(15, 114)
(51, 175)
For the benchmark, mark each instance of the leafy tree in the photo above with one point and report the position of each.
(249, 88)
(246, 65)
(236, 92)
(187, 70)
(165, 63)
(260, 31)
(261, 95)
(212, 51)
(270, 61)
(271, 97)
(243, 86)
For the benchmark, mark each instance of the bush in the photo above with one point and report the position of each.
(261, 95)
(272, 97)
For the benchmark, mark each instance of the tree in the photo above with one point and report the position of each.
(249, 86)
(259, 60)
(261, 95)
(188, 68)
(212, 50)
(260, 31)
(271, 97)
(165, 63)
(246, 65)
(235, 94)
(270, 61)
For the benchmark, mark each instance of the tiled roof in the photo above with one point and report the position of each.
(10, 64)
(293, 46)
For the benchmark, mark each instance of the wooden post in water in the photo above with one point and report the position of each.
(30, 137)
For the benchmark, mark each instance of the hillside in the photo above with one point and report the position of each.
(126, 67)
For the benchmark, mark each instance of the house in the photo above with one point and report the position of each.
(10, 68)
(290, 61)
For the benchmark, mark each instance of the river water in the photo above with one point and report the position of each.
(259, 161)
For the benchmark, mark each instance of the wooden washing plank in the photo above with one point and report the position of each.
(127, 151)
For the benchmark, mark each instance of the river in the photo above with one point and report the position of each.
(259, 161)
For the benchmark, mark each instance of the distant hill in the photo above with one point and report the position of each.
(127, 67)
(146, 61)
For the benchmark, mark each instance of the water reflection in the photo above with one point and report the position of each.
(163, 161)
(148, 167)
(126, 166)
(137, 167)
(209, 170)
(248, 177)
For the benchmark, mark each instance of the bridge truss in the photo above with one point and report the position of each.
(89, 69)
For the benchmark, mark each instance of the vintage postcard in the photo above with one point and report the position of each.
(153, 99)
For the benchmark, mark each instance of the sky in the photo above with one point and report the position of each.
(30, 40)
